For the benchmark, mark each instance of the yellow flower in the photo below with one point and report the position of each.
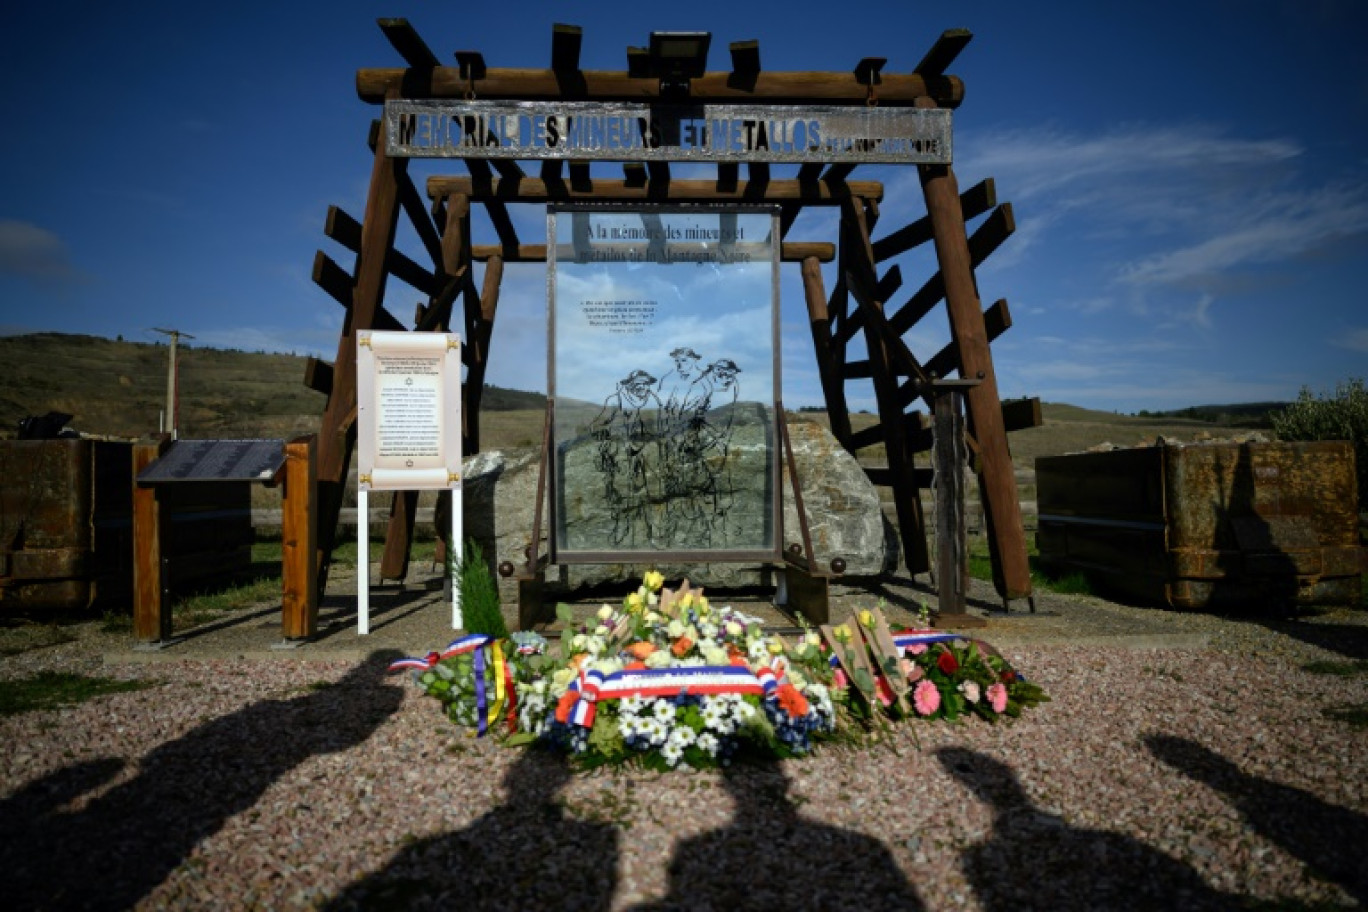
(867, 618)
(653, 580)
(775, 647)
(842, 632)
(635, 602)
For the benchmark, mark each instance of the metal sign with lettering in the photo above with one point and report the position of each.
(216, 460)
(592, 131)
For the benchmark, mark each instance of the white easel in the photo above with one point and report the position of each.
(394, 409)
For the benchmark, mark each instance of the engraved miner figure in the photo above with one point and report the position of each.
(626, 430)
(700, 478)
(675, 385)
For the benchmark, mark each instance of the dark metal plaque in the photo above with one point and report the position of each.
(216, 460)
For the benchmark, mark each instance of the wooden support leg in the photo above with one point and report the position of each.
(394, 560)
(809, 594)
(906, 497)
(151, 604)
(531, 610)
(997, 478)
(298, 529)
(828, 367)
(337, 437)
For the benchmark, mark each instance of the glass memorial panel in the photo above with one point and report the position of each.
(664, 367)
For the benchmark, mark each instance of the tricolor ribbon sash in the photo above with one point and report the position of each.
(466, 643)
(594, 687)
(480, 692)
(922, 638)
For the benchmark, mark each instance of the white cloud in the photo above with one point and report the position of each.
(1354, 339)
(31, 252)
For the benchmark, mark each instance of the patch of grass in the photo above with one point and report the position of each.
(1071, 583)
(1340, 669)
(1356, 714)
(206, 606)
(51, 689)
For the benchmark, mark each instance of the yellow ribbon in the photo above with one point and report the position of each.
(497, 708)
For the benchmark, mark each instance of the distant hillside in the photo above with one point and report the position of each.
(118, 388)
(1246, 414)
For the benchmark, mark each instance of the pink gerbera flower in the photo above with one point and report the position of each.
(997, 696)
(926, 698)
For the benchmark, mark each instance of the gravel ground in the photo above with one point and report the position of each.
(1156, 778)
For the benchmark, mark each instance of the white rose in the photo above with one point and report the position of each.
(605, 612)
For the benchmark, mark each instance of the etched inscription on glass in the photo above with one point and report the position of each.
(664, 377)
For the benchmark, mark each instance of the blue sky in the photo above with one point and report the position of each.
(1190, 181)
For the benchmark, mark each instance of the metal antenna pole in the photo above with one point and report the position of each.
(172, 375)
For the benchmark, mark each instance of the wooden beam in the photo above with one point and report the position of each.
(898, 90)
(423, 221)
(335, 280)
(867, 437)
(836, 174)
(659, 172)
(996, 321)
(394, 559)
(833, 389)
(480, 331)
(809, 172)
(533, 190)
(406, 40)
(634, 173)
(883, 477)
(728, 176)
(997, 478)
(318, 375)
(975, 201)
(857, 258)
(344, 229)
(298, 535)
(943, 52)
(565, 48)
(579, 180)
(508, 169)
(789, 252)
(987, 238)
(745, 61)
(1020, 414)
(337, 436)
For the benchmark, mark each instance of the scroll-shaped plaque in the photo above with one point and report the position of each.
(408, 410)
(664, 369)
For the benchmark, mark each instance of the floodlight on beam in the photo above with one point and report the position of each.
(677, 57)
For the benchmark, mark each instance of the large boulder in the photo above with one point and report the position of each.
(842, 507)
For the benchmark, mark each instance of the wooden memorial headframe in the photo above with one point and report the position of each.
(865, 299)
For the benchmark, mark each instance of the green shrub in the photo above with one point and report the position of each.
(479, 593)
(1343, 416)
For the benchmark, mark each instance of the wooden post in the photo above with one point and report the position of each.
(997, 479)
(337, 438)
(479, 331)
(151, 606)
(833, 386)
(298, 533)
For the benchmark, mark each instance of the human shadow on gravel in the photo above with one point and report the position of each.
(771, 857)
(1328, 838)
(1036, 860)
(523, 854)
(112, 853)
